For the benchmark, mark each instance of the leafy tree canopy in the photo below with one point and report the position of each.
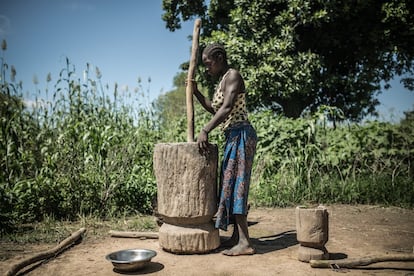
(297, 55)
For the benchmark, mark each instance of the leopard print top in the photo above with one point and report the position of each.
(238, 112)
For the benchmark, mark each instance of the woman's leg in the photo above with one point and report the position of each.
(233, 240)
(243, 247)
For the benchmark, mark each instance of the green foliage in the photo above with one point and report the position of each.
(19, 153)
(172, 104)
(79, 152)
(305, 160)
(298, 55)
(84, 151)
(180, 8)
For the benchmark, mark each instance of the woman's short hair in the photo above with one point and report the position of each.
(214, 50)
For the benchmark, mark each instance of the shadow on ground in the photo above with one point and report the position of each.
(151, 267)
(275, 242)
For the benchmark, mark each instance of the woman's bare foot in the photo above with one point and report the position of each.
(239, 250)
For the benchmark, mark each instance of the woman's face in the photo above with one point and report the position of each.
(212, 66)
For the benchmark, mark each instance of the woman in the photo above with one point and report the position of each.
(229, 109)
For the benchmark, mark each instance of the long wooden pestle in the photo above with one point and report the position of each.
(189, 89)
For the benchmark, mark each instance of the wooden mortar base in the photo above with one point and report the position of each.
(189, 239)
(305, 254)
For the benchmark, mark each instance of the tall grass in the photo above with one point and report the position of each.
(79, 152)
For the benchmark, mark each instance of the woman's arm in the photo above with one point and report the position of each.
(206, 103)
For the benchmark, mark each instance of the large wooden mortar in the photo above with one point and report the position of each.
(187, 197)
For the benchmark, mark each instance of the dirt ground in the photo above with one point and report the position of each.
(354, 231)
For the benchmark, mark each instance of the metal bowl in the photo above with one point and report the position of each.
(130, 259)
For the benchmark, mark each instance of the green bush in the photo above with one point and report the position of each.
(306, 160)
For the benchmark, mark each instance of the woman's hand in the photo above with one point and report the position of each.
(193, 83)
(202, 140)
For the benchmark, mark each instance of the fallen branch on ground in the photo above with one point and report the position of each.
(139, 235)
(48, 253)
(351, 263)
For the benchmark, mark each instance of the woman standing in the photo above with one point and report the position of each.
(229, 109)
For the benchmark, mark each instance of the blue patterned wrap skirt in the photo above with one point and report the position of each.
(236, 169)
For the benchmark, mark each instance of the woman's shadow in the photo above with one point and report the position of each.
(275, 242)
(283, 240)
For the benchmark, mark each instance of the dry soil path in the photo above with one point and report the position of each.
(355, 231)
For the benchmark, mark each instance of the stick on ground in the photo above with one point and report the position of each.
(139, 235)
(48, 253)
(355, 262)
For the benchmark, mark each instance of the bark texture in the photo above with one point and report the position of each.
(187, 196)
